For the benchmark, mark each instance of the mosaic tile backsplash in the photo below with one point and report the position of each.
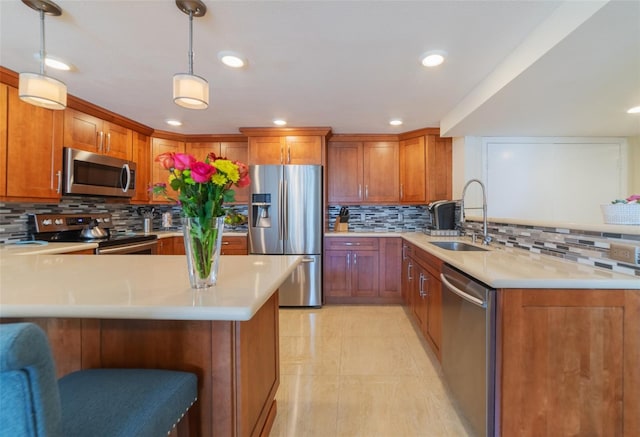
(585, 247)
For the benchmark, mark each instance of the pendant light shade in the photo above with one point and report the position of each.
(37, 88)
(40, 90)
(191, 91)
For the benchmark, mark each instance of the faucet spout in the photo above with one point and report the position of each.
(486, 239)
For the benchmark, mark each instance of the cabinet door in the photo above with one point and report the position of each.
(201, 150)
(413, 161)
(34, 150)
(337, 273)
(178, 246)
(419, 298)
(3, 136)
(390, 268)
(232, 245)
(380, 172)
(303, 150)
(433, 288)
(266, 150)
(82, 131)
(344, 172)
(439, 168)
(364, 273)
(237, 152)
(158, 173)
(407, 273)
(118, 141)
(142, 157)
(165, 246)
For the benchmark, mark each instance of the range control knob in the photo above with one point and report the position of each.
(58, 221)
(46, 222)
(107, 220)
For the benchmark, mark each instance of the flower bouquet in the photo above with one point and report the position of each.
(202, 187)
(623, 211)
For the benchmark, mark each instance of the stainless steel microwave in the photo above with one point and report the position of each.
(98, 175)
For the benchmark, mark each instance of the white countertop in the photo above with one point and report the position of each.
(136, 286)
(503, 267)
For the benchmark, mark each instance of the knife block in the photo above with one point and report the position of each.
(340, 227)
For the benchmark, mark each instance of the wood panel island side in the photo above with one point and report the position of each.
(138, 311)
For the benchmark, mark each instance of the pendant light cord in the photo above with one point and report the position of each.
(42, 50)
(191, 42)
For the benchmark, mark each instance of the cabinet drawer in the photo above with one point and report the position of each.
(234, 245)
(346, 243)
(428, 261)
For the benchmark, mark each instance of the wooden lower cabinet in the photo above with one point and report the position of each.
(568, 362)
(231, 245)
(422, 292)
(237, 363)
(362, 270)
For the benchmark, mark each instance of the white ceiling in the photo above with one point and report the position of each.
(514, 67)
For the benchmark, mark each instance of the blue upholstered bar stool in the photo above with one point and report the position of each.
(86, 403)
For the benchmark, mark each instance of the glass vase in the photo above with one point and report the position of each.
(202, 242)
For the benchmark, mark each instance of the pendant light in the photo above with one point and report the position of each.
(191, 91)
(38, 88)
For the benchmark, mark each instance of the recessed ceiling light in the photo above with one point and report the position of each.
(634, 110)
(279, 122)
(174, 123)
(232, 59)
(433, 58)
(54, 62)
(395, 122)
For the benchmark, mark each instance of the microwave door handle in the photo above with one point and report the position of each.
(127, 171)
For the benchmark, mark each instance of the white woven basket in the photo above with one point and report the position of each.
(621, 213)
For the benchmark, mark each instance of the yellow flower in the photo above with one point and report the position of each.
(229, 168)
(219, 179)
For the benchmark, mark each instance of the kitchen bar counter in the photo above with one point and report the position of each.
(136, 287)
(504, 267)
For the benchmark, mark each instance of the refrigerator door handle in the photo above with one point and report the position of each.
(281, 220)
(307, 260)
(285, 211)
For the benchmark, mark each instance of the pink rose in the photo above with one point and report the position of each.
(166, 160)
(201, 172)
(183, 161)
(243, 169)
(634, 197)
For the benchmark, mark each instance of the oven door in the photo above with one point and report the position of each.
(143, 248)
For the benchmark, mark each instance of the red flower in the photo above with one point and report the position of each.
(244, 181)
(183, 161)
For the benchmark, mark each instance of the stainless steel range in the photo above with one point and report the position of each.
(95, 228)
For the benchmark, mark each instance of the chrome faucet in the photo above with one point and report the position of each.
(486, 239)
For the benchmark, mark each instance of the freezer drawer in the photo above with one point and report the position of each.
(304, 286)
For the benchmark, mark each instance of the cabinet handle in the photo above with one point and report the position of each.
(425, 278)
(281, 155)
(288, 153)
(351, 244)
(349, 270)
(100, 140)
(366, 191)
(225, 243)
(409, 270)
(401, 192)
(355, 259)
(404, 254)
(109, 142)
(420, 291)
(359, 191)
(59, 176)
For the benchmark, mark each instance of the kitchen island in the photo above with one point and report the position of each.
(138, 311)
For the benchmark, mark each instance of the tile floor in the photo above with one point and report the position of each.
(359, 371)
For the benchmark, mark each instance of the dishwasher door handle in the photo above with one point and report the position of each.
(472, 299)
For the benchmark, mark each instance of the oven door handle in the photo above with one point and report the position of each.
(472, 299)
(127, 248)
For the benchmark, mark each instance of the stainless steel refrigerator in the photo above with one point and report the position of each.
(285, 218)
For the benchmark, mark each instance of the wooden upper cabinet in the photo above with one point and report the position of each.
(380, 172)
(142, 158)
(4, 97)
(159, 173)
(413, 164)
(425, 169)
(86, 132)
(266, 150)
(201, 150)
(344, 172)
(33, 150)
(295, 146)
(303, 150)
(439, 168)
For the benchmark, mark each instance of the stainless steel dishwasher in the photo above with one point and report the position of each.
(468, 347)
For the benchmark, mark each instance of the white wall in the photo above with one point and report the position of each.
(546, 179)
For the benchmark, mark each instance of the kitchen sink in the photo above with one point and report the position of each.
(458, 246)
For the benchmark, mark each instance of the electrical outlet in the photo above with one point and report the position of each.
(625, 253)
